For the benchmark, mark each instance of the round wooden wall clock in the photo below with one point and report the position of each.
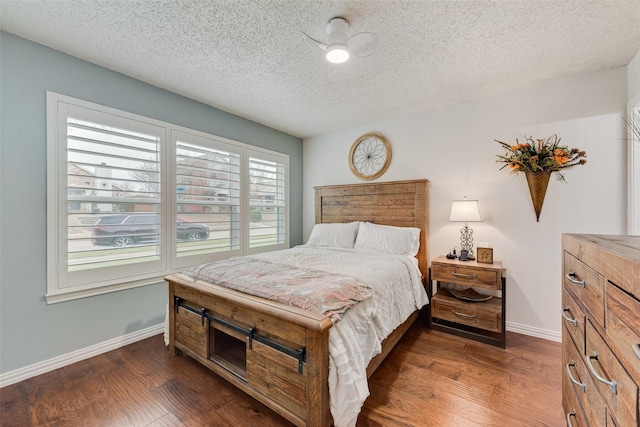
(370, 156)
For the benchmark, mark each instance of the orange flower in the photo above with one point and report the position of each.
(561, 156)
(519, 146)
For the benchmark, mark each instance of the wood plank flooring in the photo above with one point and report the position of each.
(430, 379)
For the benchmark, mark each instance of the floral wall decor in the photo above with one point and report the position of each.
(537, 159)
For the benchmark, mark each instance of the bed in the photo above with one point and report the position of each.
(278, 353)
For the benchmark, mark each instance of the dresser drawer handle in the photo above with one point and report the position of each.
(573, 322)
(466, 276)
(568, 367)
(569, 415)
(467, 316)
(571, 277)
(612, 384)
(636, 349)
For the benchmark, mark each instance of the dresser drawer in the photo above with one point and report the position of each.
(470, 276)
(576, 373)
(623, 328)
(586, 284)
(613, 382)
(484, 315)
(572, 410)
(573, 319)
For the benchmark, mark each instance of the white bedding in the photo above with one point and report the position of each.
(357, 337)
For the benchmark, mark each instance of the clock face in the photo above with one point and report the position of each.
(370, 156)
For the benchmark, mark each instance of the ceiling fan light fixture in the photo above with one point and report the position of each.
(337, 53)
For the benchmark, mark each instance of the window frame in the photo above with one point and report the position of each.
(59, 285)
(633, 156)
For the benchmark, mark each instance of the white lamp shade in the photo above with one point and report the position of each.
(465, 211)
(337, 53)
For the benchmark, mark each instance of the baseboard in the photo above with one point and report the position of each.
(36, 369)
(534, 332)
(39, 368)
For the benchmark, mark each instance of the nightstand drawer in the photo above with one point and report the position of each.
(486, 315)
(470, 276)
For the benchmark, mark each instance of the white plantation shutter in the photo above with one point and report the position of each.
(110, 171)
(208, 192)
(267, 200)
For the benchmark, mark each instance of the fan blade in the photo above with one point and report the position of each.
(313, 41)
(362, 44)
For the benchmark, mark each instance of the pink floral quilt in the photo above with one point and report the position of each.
(319, 291)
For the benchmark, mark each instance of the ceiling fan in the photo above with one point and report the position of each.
(340, 47)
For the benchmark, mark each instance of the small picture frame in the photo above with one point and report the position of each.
(484, 255)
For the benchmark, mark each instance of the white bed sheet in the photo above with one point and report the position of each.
(357, 337)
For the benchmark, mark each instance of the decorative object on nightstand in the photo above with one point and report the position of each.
(485, 255)
(466, 312)
(538, 159)
(466, 211)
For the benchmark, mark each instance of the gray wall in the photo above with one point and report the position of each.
(30, 330)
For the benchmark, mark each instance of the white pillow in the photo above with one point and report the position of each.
(387, 238)
(336, 235)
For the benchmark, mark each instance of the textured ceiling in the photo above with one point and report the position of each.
(248, 57)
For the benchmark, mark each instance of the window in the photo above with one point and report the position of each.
(266, 201)
(208, 189)
(131, 199)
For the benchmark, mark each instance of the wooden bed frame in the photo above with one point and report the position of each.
(277, 353)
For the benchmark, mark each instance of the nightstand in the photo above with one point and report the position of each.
(479, 320)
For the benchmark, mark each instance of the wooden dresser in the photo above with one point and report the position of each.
(601, 330)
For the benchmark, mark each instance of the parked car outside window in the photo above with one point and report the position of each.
(121, 230)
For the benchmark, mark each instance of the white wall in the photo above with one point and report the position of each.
(454, 148)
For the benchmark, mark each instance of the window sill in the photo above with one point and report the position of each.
(70, 295)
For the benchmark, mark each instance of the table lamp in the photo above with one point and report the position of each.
(466, 211)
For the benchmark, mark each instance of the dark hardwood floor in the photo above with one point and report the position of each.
(430, 379)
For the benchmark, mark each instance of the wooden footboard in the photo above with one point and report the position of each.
(276, 353)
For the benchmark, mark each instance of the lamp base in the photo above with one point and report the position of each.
(466, 241)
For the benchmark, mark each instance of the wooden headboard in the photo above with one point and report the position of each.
(399, 203)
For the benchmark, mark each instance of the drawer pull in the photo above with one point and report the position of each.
(573, 322)
(568, 367)
(569, 415)
(636, 349)
(466, 276)
(572, 278)
(467, 316)
(612, 384)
